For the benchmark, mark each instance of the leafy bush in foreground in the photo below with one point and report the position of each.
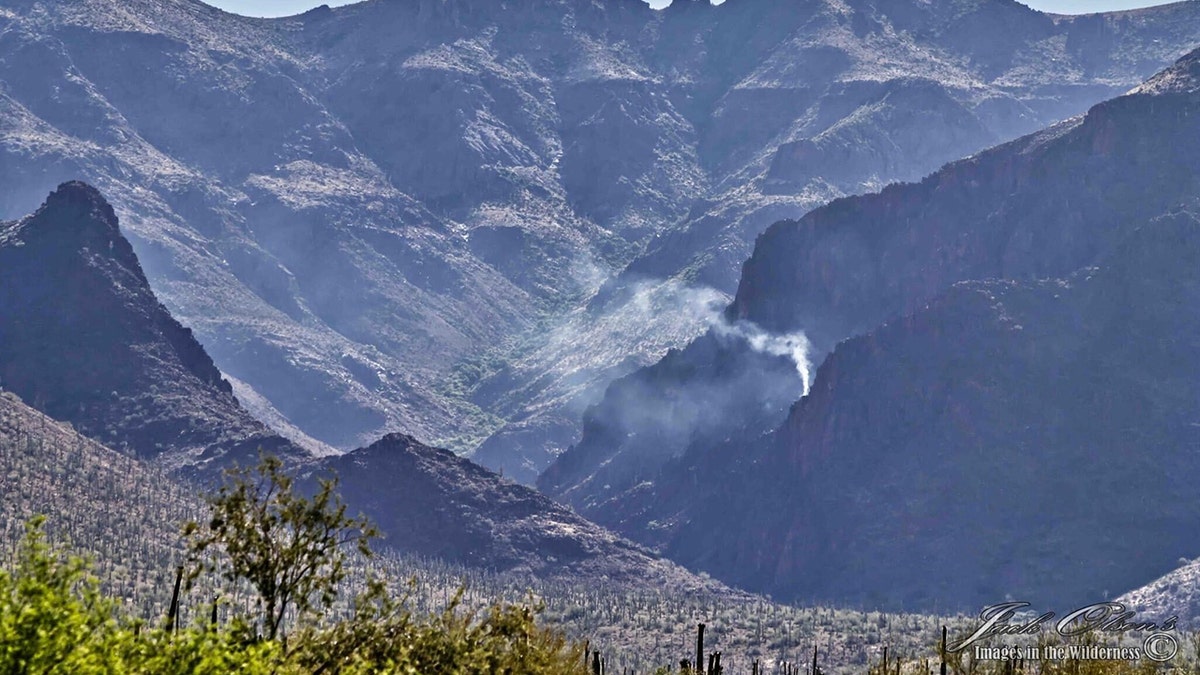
(54, 618)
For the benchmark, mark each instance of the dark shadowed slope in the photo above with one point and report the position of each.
(1044, 205)
(83, 338)
(1032, 439)
(431, 502)
(1031, 435)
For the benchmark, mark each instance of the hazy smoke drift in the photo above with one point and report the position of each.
(794, 346)
(704, 305)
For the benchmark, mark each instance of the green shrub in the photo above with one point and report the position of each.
(54, 620)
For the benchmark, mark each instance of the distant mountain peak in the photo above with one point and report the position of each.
(84, 339)
(76, 216)
(397, 439)
(76, 194)
(398, 446)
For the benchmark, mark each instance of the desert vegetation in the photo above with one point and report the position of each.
(287, 552)
(92, 548)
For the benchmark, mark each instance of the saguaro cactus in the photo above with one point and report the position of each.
(943, 650)
(173, 610)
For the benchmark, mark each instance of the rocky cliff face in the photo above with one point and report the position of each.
(390, 216)
(962, 446)
(976, 447)
(1041, 206)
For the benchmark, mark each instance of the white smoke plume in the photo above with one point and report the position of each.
(794, 346)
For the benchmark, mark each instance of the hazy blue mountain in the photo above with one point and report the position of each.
(995, 443)
(394, 216)
(84, 340)
(1019, 395)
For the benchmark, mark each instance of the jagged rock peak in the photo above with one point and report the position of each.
(399, 442)
(85, 340)
(74, 199)
(76, 216)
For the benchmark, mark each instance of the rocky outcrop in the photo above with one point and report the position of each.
(84, 339)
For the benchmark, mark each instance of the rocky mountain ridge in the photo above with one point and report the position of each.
(1019, 339)
(446, 507)
(84, 340)
(357, 276)
(944, 439)
(1126, 159)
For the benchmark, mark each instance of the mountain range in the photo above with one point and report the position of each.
(1009, 405)
(510, 230)
(124, 515)
(461, 221)
(84, 340)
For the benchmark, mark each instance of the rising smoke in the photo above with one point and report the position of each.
(794, 346)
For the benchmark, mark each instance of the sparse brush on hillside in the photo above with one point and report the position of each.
(54, 617)
(125, 514)
(122, 511)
